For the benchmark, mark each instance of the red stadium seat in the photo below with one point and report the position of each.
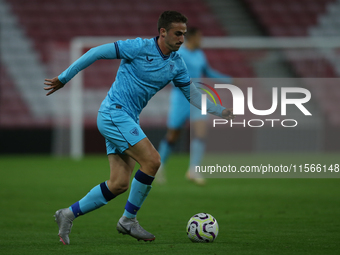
(13, 109)
(288, 18)
(46, 20)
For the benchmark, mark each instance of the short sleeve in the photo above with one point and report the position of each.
(128, 49)
(182, 78)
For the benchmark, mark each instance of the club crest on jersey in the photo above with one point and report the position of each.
(149, 59)
(171, 67)
(134, 131)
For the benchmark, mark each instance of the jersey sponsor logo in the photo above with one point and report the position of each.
(171, 67)
(134, 132)
(149, 59)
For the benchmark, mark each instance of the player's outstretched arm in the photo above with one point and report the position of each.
(194, 97)
(53, 85)
(106, 51)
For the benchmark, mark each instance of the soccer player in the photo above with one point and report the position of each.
(147, 65)
(180, 109)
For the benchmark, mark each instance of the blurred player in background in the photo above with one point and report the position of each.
(147, 66)
(180, 109)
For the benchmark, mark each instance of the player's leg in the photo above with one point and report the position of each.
(179, 112)
(165, 150)
(165, 146)
(124, 136)
(148, 158)
(197, 145)
(121, 167)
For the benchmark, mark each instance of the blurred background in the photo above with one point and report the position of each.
(35, 43)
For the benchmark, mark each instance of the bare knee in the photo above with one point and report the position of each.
(117, 187)
(155, 162)
(152, 164)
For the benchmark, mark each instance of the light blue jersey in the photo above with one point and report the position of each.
(143, 71)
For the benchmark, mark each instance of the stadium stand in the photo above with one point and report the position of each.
(14, 111)
(306, 18)
(289, 17)
(46, 20)
(11, 104)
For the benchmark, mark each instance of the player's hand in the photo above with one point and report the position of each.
(228, 114)
(53, 85)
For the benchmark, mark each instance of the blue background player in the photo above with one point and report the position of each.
(147, 66)
(180, 109)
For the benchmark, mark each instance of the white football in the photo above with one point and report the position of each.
(202, 227)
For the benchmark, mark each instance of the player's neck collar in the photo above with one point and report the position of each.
(159, 49)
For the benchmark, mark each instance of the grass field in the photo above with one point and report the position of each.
(255, 216)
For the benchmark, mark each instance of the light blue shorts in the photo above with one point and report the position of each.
(119, 130)
(181, 110)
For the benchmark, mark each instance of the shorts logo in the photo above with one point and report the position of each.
(134, 132)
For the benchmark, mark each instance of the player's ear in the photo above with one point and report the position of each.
(162, 32)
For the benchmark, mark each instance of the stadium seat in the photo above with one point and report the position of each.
(287, 18)
(13, 109)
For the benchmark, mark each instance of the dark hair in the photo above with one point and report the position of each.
(191, 31)
(168, 17)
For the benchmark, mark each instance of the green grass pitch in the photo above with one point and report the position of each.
(255, 216)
